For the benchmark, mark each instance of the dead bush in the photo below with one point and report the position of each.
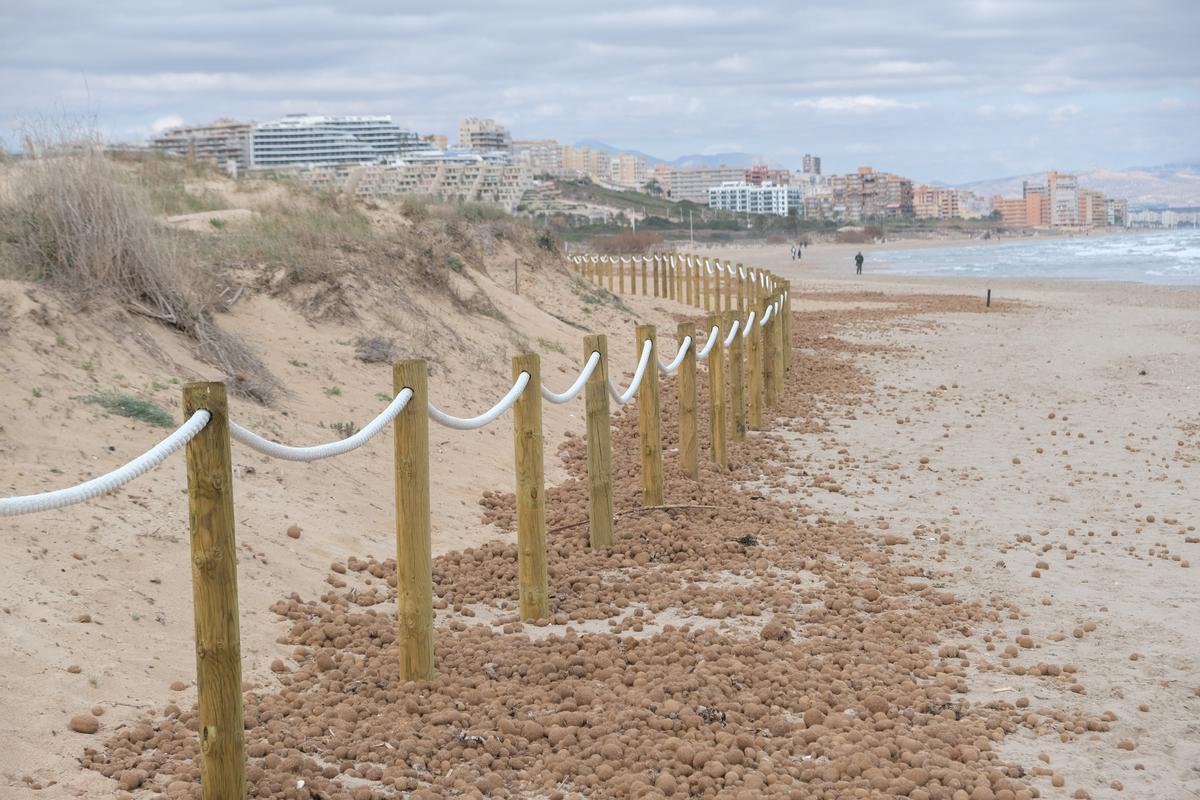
(375, 350)
(628, 242)
(74, 221)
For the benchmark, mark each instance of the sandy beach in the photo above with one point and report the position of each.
(1035, 461)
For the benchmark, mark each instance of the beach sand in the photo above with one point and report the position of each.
(1065, 432)
(1060, 430)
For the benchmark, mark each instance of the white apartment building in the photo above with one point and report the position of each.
(483, 135)
(305, 139)
(747, 198)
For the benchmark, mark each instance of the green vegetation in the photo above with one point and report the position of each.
(550, 345)
(132, 407)
(333, 391)
(344, 429)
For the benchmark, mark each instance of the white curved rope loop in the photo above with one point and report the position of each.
(713, 336)
(669, 369)
(749, 325)
(733, 329)
(471, 423)
(624, 397)
(741, 273)
(576, 387)
(766, 316)
(318, 451)
(110, 481)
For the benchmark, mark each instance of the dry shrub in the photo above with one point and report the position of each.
(74, 221)
(628, 242)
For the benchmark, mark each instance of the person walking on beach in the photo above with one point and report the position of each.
(793, 252)
(858, 262)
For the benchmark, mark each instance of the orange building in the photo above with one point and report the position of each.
(1021, 212)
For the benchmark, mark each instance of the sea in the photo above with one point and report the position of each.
(1155, 257)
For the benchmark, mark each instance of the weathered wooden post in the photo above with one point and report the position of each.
(737, 390)
(696, 296)
(730, 275)
(531, 491)
(215, 596)
(716, 392)
(705, 291)
(741, 291)
(780, 349)
(649, 423)
(414, 565)
(609, 262)
(599, 445)
(688, 447)
(620, 264)
(645, 269)
(770, 357)
(754, 362)
(786, 310)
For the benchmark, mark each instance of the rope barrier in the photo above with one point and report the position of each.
(576, 387)
(111, 481)
(669, 369)
(749, 325)
(318, 451)
(471, 423)
(713, 335)
(766, 316)
(624, 397)
(733, 329)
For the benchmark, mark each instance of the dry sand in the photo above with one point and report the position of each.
(972, 393)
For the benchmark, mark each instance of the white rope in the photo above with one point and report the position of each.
(674, 365)
(749, 325)
(713, 336)
(318, 451)
(733, 329)
(576, 387)
(766, 316)
(741, 273)
(624, 397)
(471, 423)
(111, 481)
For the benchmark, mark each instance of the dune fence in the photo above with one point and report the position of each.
(743, 340)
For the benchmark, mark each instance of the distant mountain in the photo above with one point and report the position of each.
(692, 160)
(1176, 185)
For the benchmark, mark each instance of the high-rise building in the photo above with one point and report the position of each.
(587, 162)
(483, 134)
(761, 173)
(692, 183)
(223, 141)
(812, 164)
(628, 170)
(1064, 199)
(935, 202)
(316, 139)
(542, 156)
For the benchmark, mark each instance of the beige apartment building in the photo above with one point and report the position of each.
(587, 162)
(475, 181)
(483, 135)
(693, 183)
(542, 156)
(936, 202)
(222, 142)
(628, 170)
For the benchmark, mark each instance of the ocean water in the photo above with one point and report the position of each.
(1160, 257)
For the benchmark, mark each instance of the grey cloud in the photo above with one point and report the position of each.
(777, 77)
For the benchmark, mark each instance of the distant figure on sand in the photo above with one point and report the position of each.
(793, 252)
(858, 261)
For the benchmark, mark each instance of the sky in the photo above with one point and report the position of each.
(950, 91)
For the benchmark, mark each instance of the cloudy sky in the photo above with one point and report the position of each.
(950, 90)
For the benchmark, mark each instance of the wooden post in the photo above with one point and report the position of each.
(716, 393)
(414, 567)
(718, 285)
(704, 282)
(730, 277)
(754, 362)
(677, 280)
(687, 280)
(770, 357)
(696, 300)
(531, 491)
(649, 424)
(609, 268)
(645, 269)
(633, 274)
(737, 374)
(599, 445)
(688, 446)
(741, 292)
(620, 265)
(215, 596)
(786, 308)
(780, 350)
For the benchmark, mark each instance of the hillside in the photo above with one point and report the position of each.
(1174, 185)
(323, 294)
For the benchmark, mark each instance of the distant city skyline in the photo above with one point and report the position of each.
(942, 91)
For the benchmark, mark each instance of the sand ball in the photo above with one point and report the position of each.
(84, 723)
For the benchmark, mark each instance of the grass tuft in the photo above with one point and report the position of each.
(133, 407)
